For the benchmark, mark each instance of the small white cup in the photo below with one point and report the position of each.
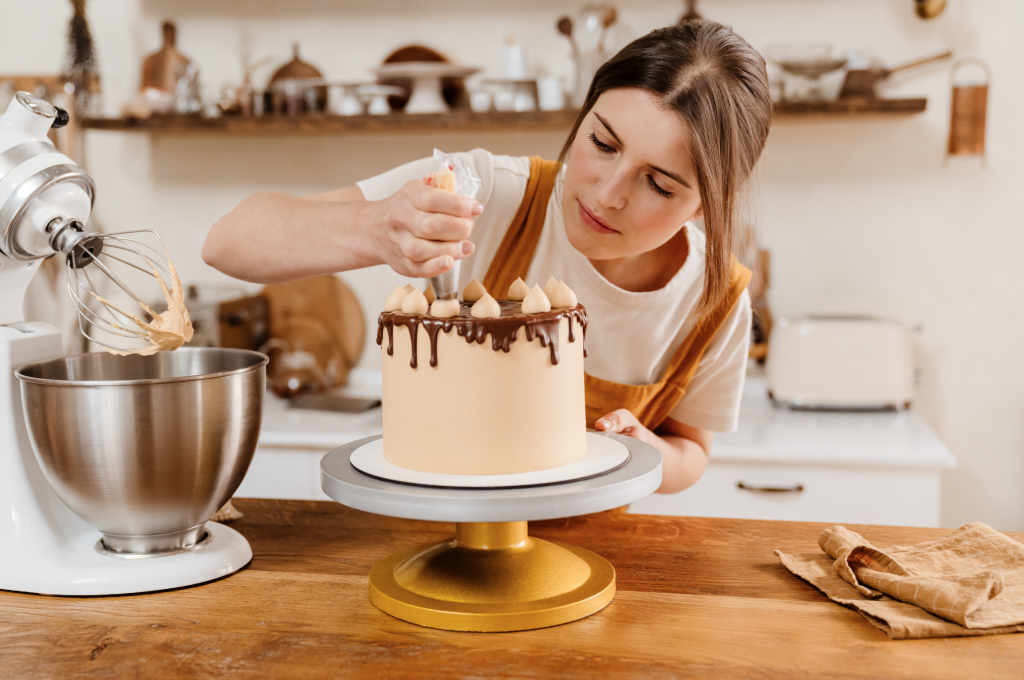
(550, 93)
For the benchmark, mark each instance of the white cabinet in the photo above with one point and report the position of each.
(805, 493)
(292, 442)
(284, 473)
(857, 468)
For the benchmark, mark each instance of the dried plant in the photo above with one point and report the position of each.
(80, 62)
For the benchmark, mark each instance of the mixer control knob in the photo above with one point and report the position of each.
(62, 118)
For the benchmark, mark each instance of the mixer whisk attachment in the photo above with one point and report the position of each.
(123, 258)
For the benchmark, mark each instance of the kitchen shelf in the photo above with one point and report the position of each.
(855, 106)
(325, 124)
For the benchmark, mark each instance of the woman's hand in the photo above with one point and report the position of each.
(422, 230)
(684, 449)
(624, 422)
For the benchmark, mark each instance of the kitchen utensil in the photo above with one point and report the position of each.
(223, 316)
(564, 26)
(99, 449)
(333, 401)
(929, 9)
(691, 13)
(294, 370)
(492, 576)
(840, 362)
(968, 112)
(607, 19)
(809, 60)
(319, 315)
(426, 77)
(291, 99)
(162, 69)
(145, 449)
(591, 32)
(861, 82)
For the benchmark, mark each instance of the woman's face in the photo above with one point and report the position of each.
(630, 184)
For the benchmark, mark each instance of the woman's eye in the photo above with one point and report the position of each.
(599, 144)
(654, 185)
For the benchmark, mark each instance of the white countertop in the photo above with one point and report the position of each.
(767, 433)
(296, 428)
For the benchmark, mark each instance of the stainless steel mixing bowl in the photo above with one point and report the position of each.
(146, 449)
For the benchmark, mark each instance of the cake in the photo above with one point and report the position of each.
(482, 386)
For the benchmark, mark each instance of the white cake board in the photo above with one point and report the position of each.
(603, 455)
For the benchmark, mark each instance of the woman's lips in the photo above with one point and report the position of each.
(592, 222)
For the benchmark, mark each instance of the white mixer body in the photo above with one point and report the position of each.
(47, 548)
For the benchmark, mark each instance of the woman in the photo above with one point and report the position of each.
(670, 132)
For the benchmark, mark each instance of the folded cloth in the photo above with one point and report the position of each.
(970, 582)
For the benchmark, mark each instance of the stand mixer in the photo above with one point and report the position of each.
(45, 199)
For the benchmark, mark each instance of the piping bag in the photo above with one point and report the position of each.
(453, 175)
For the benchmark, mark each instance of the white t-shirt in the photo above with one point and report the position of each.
(632, 336)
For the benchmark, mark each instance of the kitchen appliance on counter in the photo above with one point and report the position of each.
(111, 467)
(224, 316)
(840, 363)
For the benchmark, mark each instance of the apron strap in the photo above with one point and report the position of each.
(514, 255)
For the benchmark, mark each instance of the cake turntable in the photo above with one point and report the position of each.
(492, 576)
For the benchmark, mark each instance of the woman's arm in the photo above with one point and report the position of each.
(684, 449)
(270, 237)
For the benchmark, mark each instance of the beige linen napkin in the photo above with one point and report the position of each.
(970, 582)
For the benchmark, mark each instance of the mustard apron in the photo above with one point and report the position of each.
(651, 404)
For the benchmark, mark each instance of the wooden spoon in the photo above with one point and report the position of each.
(565, 28)
(607, 19)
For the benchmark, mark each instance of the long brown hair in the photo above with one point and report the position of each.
(718, 84)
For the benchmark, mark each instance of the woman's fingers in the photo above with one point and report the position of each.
(621, 421)
(436, 227)
(418, 250)
(433, 200)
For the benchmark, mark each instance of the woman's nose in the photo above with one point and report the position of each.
(611, 193)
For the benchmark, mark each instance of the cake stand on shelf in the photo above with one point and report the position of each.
(492, 576)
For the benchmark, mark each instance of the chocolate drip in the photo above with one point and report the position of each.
(503, 331)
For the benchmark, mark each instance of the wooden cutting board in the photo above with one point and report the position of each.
(323, 303)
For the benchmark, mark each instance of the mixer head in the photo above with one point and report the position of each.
(45, 199)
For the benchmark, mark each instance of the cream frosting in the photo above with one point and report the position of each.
(486, 308)
(549, 287)
(429, 293)
(563, 297)
(444, 309)
(168, 330)
(415, 303)
(536, 302)
(394, 301)
(442, 179)
(518, 290)
(474, 291)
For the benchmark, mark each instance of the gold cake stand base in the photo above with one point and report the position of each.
(492, 577)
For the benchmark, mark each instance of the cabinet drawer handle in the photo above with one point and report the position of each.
(770, 489)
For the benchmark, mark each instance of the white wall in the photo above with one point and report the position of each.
(860, 215)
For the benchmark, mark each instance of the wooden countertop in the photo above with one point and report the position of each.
(695, 597)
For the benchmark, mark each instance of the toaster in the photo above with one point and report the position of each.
(840, 363)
